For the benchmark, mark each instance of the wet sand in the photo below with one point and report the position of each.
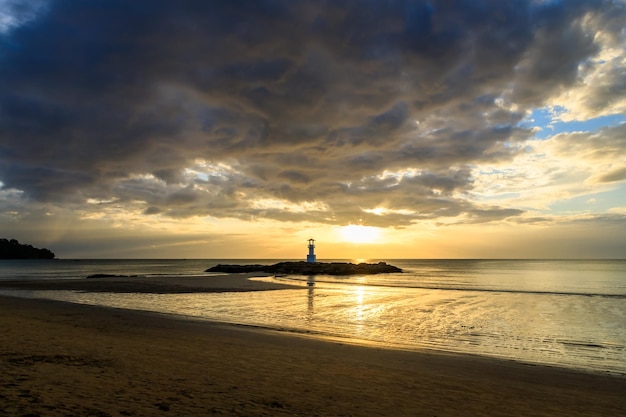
(61, 359)
(152, 285)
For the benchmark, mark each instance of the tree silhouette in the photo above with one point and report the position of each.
(12, 249)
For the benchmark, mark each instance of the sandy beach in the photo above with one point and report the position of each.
(152, 285)
(60, 359)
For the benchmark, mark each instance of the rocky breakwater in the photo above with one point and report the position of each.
(307, 268)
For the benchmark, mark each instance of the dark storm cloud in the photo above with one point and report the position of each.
(307, 101)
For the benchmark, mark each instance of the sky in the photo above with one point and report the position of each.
(381, 128)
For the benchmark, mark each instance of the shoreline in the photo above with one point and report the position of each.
(166, 284)
(60, 358)
(231, 283)
(328, 337)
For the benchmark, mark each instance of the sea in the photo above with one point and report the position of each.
(562, 313)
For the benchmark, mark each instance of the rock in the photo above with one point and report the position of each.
(107, 276)
(307, 268)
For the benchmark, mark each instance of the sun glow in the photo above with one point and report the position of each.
(360, 234)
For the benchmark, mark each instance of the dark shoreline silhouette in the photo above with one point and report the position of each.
(12, 249)
(311, 268)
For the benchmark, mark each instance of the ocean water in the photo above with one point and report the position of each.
(568, 313)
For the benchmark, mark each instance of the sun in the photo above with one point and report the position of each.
(359, 234)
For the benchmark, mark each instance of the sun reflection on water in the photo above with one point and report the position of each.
(564, 329)
(359, 293)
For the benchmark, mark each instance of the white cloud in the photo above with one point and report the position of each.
(562, 167)
(14, 13)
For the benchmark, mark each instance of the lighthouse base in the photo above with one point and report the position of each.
(310, 259)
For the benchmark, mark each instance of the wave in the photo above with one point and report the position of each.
(449, 288)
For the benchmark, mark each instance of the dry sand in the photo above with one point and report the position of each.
(60, 359)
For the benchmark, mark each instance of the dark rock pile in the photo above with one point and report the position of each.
(306, 268)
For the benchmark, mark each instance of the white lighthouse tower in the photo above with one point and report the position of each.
(311, 256)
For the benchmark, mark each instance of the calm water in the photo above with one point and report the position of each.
(564, 313)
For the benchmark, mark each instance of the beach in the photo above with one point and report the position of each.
(151, 285)
(60, 359)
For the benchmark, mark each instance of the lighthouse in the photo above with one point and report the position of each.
(310, 258)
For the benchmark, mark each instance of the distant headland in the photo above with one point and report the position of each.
(311, 268)
(12, 249)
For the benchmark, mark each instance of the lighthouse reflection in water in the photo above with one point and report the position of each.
(566, 313)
